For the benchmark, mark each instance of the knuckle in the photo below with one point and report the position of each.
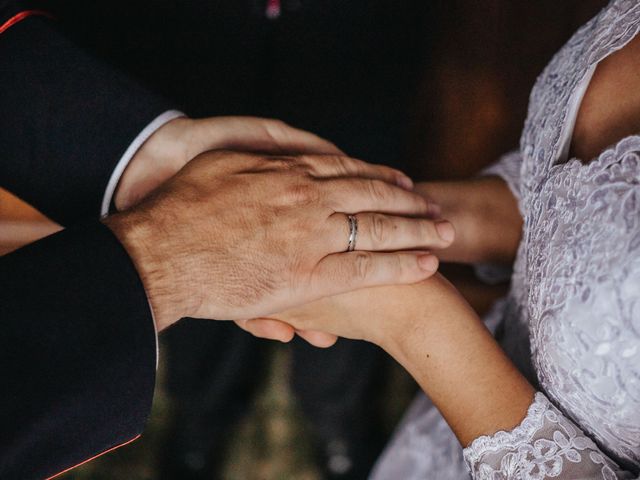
(282, 163)
(328, 165)
(344, 164)
(380, 229)
(396, 267)
(309, 162)
(379, 190)
(363, 266)
(250, 163)
(300, 194)
(426, 232)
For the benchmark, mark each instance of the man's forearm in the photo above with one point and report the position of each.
(485, 215)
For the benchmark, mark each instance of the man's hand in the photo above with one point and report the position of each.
(180, 140)
(238, 236)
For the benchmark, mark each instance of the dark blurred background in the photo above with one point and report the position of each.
(439, 89)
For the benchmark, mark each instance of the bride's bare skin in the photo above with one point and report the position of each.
(429, 327)
(485, 215)
(610, 109)
(438, 338)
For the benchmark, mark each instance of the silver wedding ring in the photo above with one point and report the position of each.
(353, 232)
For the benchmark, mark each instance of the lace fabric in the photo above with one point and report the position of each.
(545, 445)
(571, 321)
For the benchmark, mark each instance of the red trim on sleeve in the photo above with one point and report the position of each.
(21, 16)
(94, 457)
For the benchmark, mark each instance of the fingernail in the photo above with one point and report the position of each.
(429, 263)
(404, 182)
(446, 231)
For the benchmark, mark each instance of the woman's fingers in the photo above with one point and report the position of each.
(271, 329)
(381, 232)
(318, 339)
(268, 328)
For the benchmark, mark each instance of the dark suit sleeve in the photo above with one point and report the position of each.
(65, 118)
(77, 352)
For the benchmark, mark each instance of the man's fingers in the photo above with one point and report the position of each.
(261, 135)
(343, 272)
(380, 232)
(268, 328)
(353, 195)
(324, 166)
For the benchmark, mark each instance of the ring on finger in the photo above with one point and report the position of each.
(353, 232)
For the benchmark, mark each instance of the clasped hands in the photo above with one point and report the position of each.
(245, 219)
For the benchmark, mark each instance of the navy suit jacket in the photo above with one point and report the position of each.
(77, 347)
(77, 342)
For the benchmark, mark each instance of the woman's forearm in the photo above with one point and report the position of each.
(459, 365)
(433, 332)
(485, 215)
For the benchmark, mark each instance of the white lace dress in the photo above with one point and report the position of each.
(571, 321)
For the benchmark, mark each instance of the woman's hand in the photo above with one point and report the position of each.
(381, 315)
(361, 315)
(485, 215)
(431, 330)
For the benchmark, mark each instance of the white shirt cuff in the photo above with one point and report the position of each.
(142, 137)
(122, 164)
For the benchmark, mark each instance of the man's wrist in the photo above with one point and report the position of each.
(154, 269)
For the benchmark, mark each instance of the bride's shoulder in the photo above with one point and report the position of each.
(553, 101)
(613, 26)
(610, 109)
